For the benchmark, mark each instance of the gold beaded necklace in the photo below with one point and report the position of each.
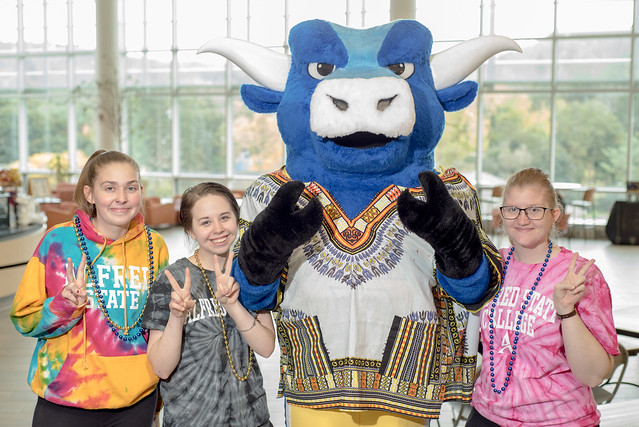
(226, 339)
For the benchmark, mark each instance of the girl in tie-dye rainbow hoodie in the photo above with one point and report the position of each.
(91, 349)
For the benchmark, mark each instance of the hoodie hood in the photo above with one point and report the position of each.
(136, 228)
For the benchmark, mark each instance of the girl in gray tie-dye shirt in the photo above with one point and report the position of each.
(199, 332)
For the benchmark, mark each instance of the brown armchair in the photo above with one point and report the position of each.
(64, 191)
(58, 212)
(158, 214)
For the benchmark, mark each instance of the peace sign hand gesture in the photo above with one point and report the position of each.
(570, 290)
(75, 290)
(181, 301)
(228, 290)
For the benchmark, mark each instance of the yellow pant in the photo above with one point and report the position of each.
(306, 417)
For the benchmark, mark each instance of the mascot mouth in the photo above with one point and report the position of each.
(362, 140)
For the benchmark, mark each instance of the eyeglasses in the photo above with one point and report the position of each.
(534, 213)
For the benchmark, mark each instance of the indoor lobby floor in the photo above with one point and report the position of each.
(618, 264)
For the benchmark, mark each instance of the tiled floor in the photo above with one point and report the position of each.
(618, 263)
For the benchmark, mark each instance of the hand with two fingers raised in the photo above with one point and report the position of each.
(181, 301)
(75, 290)
(571, 289)
(228, 290)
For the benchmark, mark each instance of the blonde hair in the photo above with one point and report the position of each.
(90, 171)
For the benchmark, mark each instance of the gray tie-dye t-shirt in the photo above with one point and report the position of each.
(202, 391)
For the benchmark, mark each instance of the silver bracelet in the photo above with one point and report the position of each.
(251, 327)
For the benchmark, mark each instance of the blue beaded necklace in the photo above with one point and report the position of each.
(115, 328)
(513, 353)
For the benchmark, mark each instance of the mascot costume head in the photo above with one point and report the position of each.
(371, 260)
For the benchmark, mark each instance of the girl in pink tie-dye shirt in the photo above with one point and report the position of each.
(548, 336)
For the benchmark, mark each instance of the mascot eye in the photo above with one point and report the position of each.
(403, 70)
(319, 70)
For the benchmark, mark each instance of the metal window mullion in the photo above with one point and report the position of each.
(553, 99)
(175, 123)
(228, 104)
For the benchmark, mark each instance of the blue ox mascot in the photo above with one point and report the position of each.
(370, 260)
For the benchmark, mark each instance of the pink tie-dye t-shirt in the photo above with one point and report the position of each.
(542, 389)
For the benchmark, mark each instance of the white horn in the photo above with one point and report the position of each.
(453, 65)
(268, 68)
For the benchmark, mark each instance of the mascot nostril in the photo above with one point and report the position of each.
(383, 104)
(372, 238)
(339, 103)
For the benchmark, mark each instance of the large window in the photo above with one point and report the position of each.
(567, 104)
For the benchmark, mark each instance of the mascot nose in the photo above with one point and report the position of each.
(382, 104)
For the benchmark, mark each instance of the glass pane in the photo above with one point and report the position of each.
(634, 164)
(329, 10)
(132, 13)
(592, 139)
(594, 16)
(267, 23)
(8, 74)
(158, 25)
(636, 61)
(8, 27)
(157, 186)
(257, 145)
(33, 17)
(84, 25)
(46, 72)
(8, 132)
(149, 131)
(594, 61)
(528, 70)
(47, 128)
(238, 11)
(151, 69)
(86, 121)
(376, 13)
(206, 69)
(460, 26)
(199, 21)
(57, 25)
(458, 146)
(516, 130)
(159, 69)
(202, 134)
(84, 69)
(523, 18)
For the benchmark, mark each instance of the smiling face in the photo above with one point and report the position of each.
(523, 232)
(214, 226)
(117, 195)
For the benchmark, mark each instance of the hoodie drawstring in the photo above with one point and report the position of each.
(85, 365)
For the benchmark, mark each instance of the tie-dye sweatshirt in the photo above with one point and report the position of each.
(80, 360)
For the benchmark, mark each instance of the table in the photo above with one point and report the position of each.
(16, 248)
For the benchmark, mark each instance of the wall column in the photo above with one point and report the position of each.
(109, 121)
(402, 9)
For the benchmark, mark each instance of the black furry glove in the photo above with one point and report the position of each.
(276, 231)
(444, 225)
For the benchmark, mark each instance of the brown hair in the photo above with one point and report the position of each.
(90, 171)
(193, 194)
(534, 176)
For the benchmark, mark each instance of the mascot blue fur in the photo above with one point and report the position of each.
(371, 261)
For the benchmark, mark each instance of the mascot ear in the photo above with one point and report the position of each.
(260, 99)
(459, 96)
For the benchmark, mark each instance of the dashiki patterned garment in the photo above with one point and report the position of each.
(362, 322)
